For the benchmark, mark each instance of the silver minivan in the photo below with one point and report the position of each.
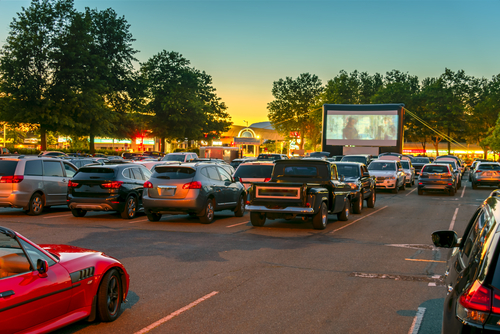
(34, 183)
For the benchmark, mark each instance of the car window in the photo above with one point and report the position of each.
(34, 254)
(7, 167)
(212, 173)
(70, 170)
(174, 172)
(384, 166)
(300, 171)
(224, 175)
(52, 168)
(146, 174)
(254, 171)
(33, 168)
(126, 173)
(405, 164)
(12, 257)
(435, 169)
(475, 237)
(137, 173)
(348, 170)
(334, 172)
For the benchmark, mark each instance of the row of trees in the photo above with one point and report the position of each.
(72, 72)
(453, 105)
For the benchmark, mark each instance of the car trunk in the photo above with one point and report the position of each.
(94, 182)
(171, 182)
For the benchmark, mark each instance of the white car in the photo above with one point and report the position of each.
(409, 171)
(389, 174)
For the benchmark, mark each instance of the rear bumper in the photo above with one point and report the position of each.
(96, 204)
(173, 206)
(290, 209)
(15, 200)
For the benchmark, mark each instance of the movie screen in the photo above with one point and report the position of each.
(370, 128)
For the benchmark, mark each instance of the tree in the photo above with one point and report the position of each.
(27, 66)
(294, 100)
(354, 88)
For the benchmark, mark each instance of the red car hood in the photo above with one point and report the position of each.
(67, 253)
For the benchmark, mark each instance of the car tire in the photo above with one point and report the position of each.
(78, 212)
(344, 215)
(357, 206)
(240, 209)
(109, 296)
(208, 213)
(257, 218)
(474, 185)
(130, 209)
(35, 206)
(451, 192)
(396, 189)
(320, 219)
(403, 186)
(413, 182)
(370, 202)
(153, 216)
(420, 192)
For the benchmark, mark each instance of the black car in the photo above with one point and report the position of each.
(472, 278)
(361, 158)
(356, 175)
(419, 162)
(108, 188)
(271, 156)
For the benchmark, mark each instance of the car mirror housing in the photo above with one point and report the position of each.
(42, 266)
(445, 239)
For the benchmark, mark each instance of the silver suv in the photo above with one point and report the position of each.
(33, 183)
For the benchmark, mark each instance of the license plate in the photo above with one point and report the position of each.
(434, 176)
(166, 191)
(487, 173)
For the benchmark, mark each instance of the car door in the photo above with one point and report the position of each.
(28, 298)
(230, 188)
(55, 183)
(138, 182)
(366, 182)
(216, 184)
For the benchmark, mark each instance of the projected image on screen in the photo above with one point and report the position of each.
(361, 128)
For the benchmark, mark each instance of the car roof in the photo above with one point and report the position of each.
(181, 153)
(257, 163)
(383, 160)
(346, 163)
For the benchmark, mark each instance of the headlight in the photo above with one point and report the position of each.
(391, 178)
(353, 185)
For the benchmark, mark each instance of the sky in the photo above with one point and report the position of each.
(247, 45)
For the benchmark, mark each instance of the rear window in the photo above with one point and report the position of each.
(174, 157)
(488, 167)
(354, 159)
(382, 166)
(348, 170)
(420, 160)
(435, 169)
(405, 164)
(257, 171)
(300, 171)
(173, 173)
(96, 170)
(7, 167)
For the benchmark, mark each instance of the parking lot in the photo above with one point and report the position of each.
(375, 273)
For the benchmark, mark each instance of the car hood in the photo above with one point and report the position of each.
(66, 253)
(382, 173)
(351, 179)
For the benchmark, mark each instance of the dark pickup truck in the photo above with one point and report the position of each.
(306, 188)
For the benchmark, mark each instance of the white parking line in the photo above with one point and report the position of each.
(359, 219)
(411, 191)
(453, 219)
(463, 192)
(138, 221)
(417, 321)
(238, 224)
(176, 313)
(58, 216)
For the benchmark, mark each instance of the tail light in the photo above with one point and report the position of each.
(72, 184)
(112, 185)
(267, 179)
(475, 304)
(11, 179)
(478, 171)
(148, 184)
(192, 185)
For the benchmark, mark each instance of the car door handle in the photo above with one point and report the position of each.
(6, 294)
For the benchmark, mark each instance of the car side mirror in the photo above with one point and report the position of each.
(445, 239)
(42, 266)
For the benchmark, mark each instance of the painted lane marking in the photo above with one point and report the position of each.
(411, 191)
(176, 313)
(239, 224)
(463, 192)
(432, 284)
(358, 219)
(417, 321)
(406, 278)
(138, 221)
(422, 260)
(413, 246)
(452, 224)
(58, 216)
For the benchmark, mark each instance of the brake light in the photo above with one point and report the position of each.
(192, 185)
(72, 184)
(267, 179)
(474, 305)
(478, 171)
(112, 185)
(148, 184)
(11, 179)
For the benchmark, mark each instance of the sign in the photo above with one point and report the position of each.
(216, 143)
(31, 140)
(414, 151)
(294, 134)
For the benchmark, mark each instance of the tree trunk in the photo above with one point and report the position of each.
(485, 153)
(162, 144)
(43, 137)
(92, 144)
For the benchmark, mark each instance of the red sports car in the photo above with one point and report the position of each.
(45, 287)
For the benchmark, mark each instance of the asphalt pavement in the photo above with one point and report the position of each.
(378, 272)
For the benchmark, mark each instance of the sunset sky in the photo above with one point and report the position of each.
(247, 45)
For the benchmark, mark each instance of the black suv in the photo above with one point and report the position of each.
(472, 277)
(108, 188)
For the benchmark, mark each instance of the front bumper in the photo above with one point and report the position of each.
(386, 184)
(290, 209)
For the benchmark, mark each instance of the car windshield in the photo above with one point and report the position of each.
(348, 170)
(405, 164)
(488, 167)
(354, 159)
(173, 173)
(435, 169)
(254, 171)
(174, 157)
(384, 166)
(420, 160)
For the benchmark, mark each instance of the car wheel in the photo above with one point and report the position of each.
(413, 182)
(344, 215)
(357, 206)
(35, 205)
(320, 219)
(240, 209)
(396, 189)
(370, 202)
(109, 296)
(403, 186)
(153, 216)
(130, 209)
(451, 192)
(78, 212)
(420, 192)
(474, 185)
(208, 213)
(257, 218)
